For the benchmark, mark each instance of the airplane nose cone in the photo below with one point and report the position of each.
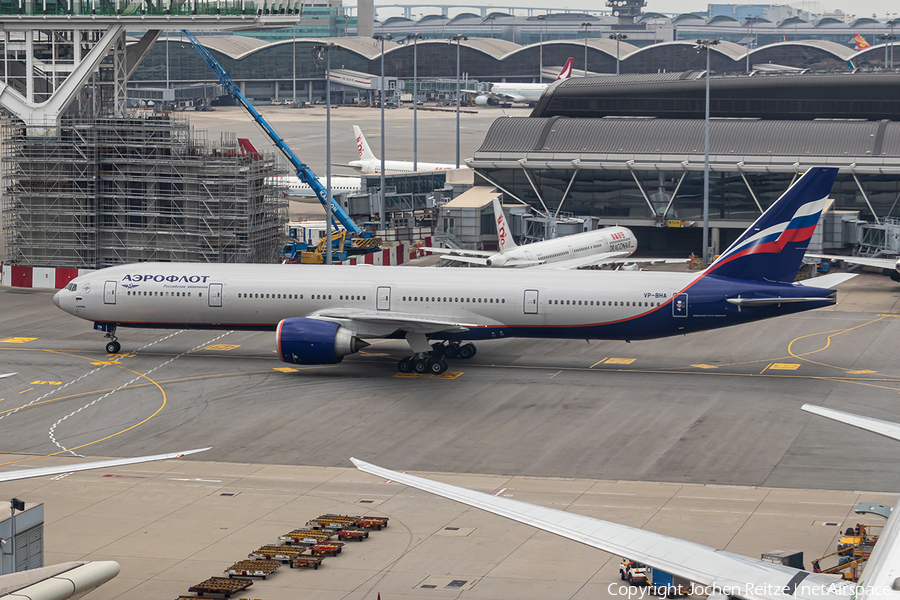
(56, 298)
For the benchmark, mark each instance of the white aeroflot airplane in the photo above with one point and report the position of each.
(520, 92)
(600, 246)
(369, 163)
(72, 579)
(322, 313)
(715, 573)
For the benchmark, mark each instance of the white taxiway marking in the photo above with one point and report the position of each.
(203, 480)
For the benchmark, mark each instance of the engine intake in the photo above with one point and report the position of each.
(303, 341)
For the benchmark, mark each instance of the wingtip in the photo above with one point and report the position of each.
(187, 452)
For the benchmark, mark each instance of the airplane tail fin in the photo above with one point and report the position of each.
(566, 70)
(773, 247)
(505, 242)
(248, 147)
(861, 43)
(362, 146)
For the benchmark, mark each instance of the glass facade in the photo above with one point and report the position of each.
(609, 194)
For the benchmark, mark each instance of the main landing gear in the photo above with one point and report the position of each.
(434, 362)
(113, 346)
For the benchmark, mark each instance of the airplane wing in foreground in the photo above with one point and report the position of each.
(717, 571)
(102, 464)
(885, 428)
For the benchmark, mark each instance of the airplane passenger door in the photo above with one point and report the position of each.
(680, 305)
(109, 292)
(383, 298)
(531, 302)
(215, 294)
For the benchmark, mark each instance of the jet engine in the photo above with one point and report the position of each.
(497, 260)
(303, 341)
(482, 100)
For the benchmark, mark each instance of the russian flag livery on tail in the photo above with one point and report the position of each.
(773, 247)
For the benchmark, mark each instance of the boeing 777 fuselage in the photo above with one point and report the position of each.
(323, 313)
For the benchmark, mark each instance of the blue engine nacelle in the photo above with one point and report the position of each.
(304, 341)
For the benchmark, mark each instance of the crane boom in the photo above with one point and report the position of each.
(305, 174)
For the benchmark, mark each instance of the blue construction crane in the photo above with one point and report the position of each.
(303, 171)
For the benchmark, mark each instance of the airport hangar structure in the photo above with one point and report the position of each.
(267, 69)
(630, 150)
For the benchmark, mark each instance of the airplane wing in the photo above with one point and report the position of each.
(455, 252)
(103, 464)
(602, 258)
(467, 259)
(509, 97)
(5, 375)
(881, 263)
(885, 428)
(408, 322)
(716, 570)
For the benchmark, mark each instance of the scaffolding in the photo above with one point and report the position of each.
(109, 191)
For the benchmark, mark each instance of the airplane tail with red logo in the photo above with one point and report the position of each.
(861, 43)
(772, 248)
(566, 70)
(362, 146)
(505, 241)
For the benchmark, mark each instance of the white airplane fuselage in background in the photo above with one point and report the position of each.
(569, 252)
(368, 163)
(521, 92)
(339, 184)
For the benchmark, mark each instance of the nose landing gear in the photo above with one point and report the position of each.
(113, 346)
(434, 362)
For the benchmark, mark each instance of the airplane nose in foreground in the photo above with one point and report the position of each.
(56, 298)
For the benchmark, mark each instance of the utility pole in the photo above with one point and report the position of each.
(457, 38)
(382, 38)
(585, 26)
(707, 44)
(618, 37)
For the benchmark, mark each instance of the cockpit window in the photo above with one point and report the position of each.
(72, 287)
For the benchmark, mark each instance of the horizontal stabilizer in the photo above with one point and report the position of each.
(773, 301)
(886, 428)
(827, 281)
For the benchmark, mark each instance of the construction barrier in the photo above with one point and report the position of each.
(39, 277)
(393, 256)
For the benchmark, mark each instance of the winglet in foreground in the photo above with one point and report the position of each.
(102, 464)
(714, 572)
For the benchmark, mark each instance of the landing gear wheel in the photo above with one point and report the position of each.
(452, 350)
(467, 351)
(113, 347)
(437, 366)
(405, 365)
(420, 365)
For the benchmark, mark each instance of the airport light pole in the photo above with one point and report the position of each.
(415, 37)
(382, 38)
(457, 38)
(492, 26)
(443, 22)
(326, 50)
(707, 44)
(585, 25)
(542, 19)
(618, 37)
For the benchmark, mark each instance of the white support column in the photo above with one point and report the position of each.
(863, 192)
(675, 193)
(6, 57)
(750, 189)
(29, 65)
(640, 187)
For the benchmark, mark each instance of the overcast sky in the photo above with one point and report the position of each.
(860, 8)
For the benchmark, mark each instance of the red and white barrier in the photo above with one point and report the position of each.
(393, 256)
(39, 277)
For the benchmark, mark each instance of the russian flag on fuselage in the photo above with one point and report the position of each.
(773, 247)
